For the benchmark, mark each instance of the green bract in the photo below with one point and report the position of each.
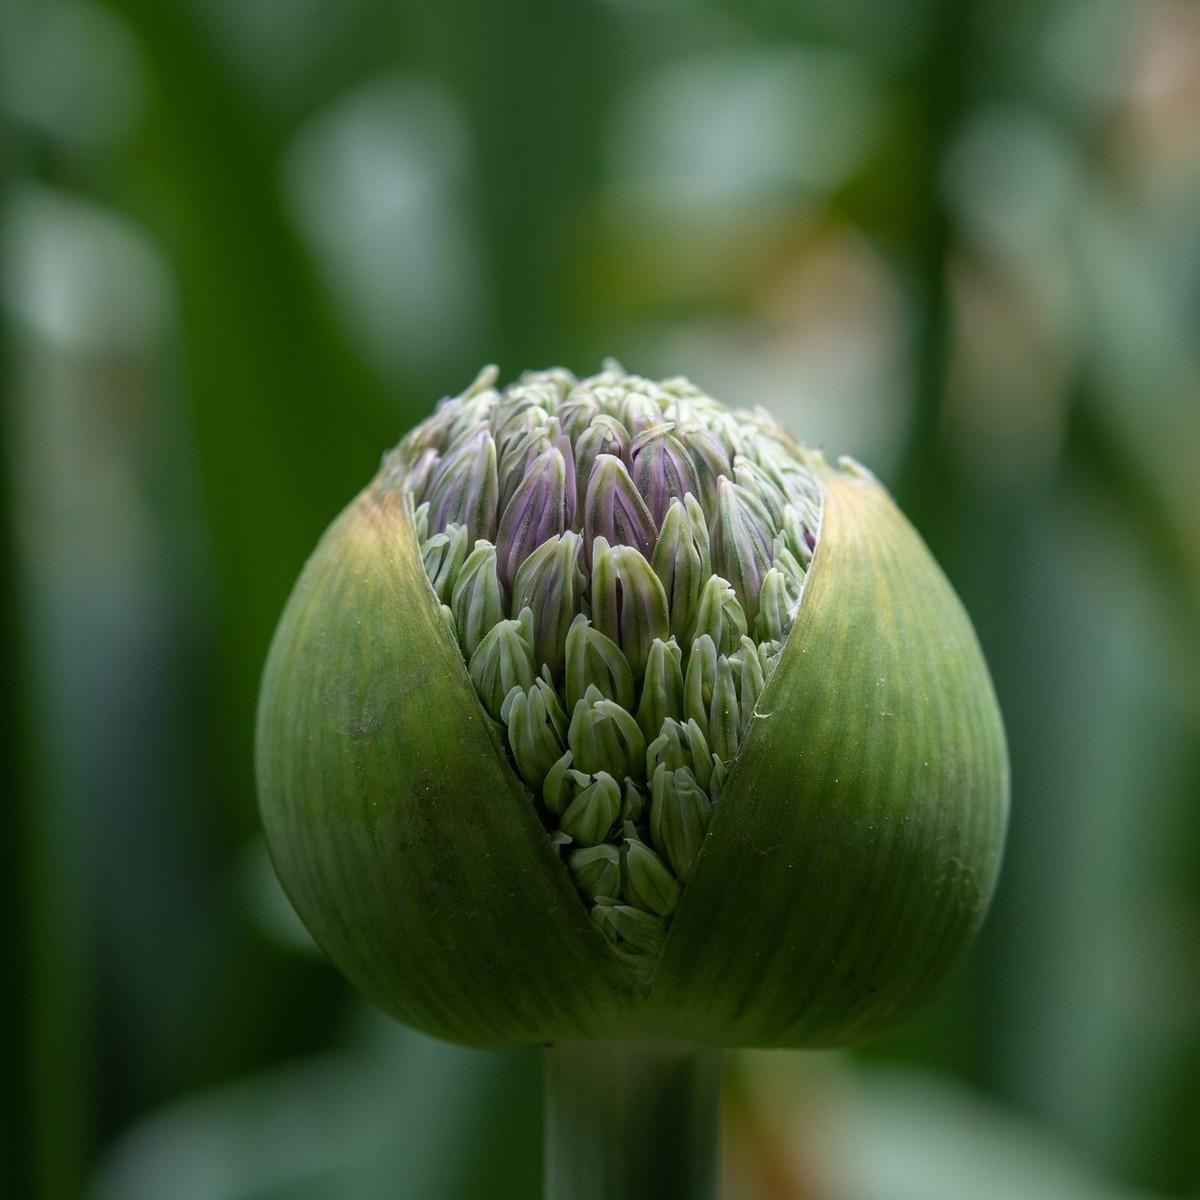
(607, 712)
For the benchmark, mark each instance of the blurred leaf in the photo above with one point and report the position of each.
(403, 1116)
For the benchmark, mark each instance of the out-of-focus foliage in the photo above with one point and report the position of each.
(246, 245)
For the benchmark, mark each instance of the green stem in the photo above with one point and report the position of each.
(631, 1120)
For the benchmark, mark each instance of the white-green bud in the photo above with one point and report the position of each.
(719, 615)
(681, 561)
(443, 555)
(421, 520)
(646, 881)
(750, 679)
(477, 601)
(465, 490)
(604, 736)
(549, 583)
(681, 745)
(590, 817)
(777, 603)
(624, 925)
(503, 660)
(628, 601)
(680, 810)
(662, 687)
(536, 730)
(700, 681)
(596, 871)
(634, 803)
(742, 541)
(593, 660)
(724, 720)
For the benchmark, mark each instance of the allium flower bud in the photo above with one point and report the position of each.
(606, 712)
(662, 470)
(476, 601)
(594, 660)
(662, 687)
(465, 490)
(550, 583)
(596, 871)
(743, 541)
(681, 560)
(628, 602)
(603, 734)
(503, 660)
(646, 880)
(536, 729)
(614, 510)
(719, 615)
(679, 814)
(591, 815)
(536, 513)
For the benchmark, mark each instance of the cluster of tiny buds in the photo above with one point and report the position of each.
(620, 562)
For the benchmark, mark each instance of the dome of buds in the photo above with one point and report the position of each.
(621, 561)
(608, 712)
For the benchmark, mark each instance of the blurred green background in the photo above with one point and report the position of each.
(247, 243)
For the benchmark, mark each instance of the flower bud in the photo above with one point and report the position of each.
(594, 811)
(596, 661)
(719, 615)
(603, 735)
(742, 542)
(777, 605)
(635, 804)
(679, 814)
(711, 461)
(662, 688)
(605, 435)
(596, 871)
(443, 556)
(503, 660)
(724, 718)
(577, 414)
(631, 929)
(550, 583)
(662, 470)
(536, 512)
(465, 489)
(606, 712)
(628, 601)
(681, 745)
(646, 881)
(614, 512)
(700, 682)
(477, 603)
(536, 729)
(750, 680)
(640, 412)
(681, 561)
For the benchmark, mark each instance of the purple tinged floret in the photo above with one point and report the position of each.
(614, 508)
(622, 562)
(536, 513)
(662, 470)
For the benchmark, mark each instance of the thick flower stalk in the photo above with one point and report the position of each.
(621, 562)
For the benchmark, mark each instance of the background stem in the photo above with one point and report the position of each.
(630, 1120)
